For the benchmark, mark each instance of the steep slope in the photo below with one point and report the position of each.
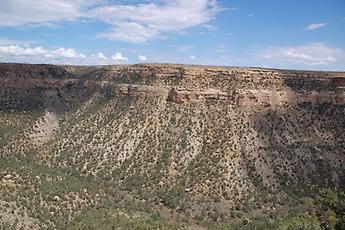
(208, 142)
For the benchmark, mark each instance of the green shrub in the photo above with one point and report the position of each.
(301, 222)
(340, 224)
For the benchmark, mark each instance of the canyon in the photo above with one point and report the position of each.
(194, 144)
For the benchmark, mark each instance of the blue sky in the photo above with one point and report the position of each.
(298, 34)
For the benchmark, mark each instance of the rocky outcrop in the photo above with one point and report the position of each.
(256, 98)
(62, 88)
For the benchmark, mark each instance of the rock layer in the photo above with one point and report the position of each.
(65, 87)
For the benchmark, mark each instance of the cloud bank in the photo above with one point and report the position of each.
(134, 23)
(310, 55)
(315, 26)
(28, 54)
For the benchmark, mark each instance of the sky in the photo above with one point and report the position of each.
(290, 34)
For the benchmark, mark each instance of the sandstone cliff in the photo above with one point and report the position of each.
(251, 87)
(193, 139)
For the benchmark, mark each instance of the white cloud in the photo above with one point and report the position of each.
(128, 22)
(69, 53)
(315, 26)
(101, 56)
(313, 54)
(25, 50)
(144, 22)
(5, 41)
(131, 32)
(119, 58)
(142, 58)
(101, 59)
(97, 59)
(192, 57)
(28, 54)
(23, 12)
(172, 15)
(210, 27)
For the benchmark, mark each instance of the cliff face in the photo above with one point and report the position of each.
(183, 137)
(37, 86)
(25, 87)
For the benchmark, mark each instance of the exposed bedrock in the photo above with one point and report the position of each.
(61, 88)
